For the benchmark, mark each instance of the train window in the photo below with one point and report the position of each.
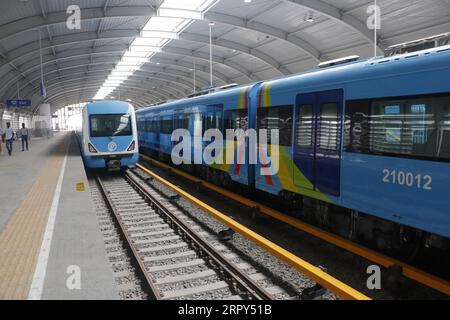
(108, 125)
(214, 120)
(156, 125)
(304, 126)
(182, 121)
(278, 121)
(148, 126)
(236, 119)
(166, 126)
(416, 127)
(328, 138)
(198, 124)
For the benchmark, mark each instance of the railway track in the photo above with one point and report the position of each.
(171, 253)
(415, 274)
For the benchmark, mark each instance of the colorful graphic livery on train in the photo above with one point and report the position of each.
(366, 144)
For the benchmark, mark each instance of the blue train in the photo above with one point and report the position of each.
(109, 135)
(365, 144)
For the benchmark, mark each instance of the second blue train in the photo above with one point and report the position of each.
(366, 144)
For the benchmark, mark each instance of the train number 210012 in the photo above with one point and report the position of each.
(408, 179)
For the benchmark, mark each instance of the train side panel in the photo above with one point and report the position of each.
(369, 137)
(228, 110)
(406, 184)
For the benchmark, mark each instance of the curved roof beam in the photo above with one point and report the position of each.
(217, 60)
(55, 81)
(9, 82)
(53, 18)
(99, 81)
(49, 44)
(336, 14)
(180, 85)
(83, 52)
(88, 68)
(145, 79)
(279, 34)
(57, 93)
(143, 92)
(35, 64)
(32, 48)
(127, 88)
(79, 98)
(196, 38)
(30, 23)
(75, 97)
(170, 88)
(85, 89)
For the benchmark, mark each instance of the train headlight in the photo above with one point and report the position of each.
(132, 146)
(92, 149)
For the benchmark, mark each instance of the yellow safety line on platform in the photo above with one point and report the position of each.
(21, 237)
(371, 255)
(316, 274)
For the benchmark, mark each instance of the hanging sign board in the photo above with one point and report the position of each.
(18, 103)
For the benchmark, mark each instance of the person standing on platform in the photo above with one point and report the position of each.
(24, 134)
(2, 138)
(9, 137)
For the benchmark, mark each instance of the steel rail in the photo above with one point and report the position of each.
(235, 273)
(240, 281)
(137, 261)
(408, 271)
(341, 289)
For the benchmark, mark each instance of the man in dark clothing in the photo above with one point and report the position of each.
(24, 134)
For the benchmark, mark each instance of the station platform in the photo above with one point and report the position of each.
(50, 242)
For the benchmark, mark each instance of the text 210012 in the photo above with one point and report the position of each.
(408, 179)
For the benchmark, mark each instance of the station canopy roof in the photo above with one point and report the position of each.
(149, 51)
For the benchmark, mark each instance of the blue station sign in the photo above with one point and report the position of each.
(18, 103)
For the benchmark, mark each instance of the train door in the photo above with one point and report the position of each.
(214, 117)
(156, 124)
(317, 144)
(213, 120)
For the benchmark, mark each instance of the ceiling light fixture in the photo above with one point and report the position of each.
(172, 18)
(310, 16)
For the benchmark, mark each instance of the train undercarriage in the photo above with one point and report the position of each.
(400, 241)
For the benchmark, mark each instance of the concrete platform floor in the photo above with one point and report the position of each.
(50, 242)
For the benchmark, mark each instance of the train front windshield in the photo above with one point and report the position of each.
(109, 125)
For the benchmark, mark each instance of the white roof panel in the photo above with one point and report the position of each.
(253, 41)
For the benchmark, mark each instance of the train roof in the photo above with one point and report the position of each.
(208, 98)
(349, 71)
(359, 70)
(108, 107)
